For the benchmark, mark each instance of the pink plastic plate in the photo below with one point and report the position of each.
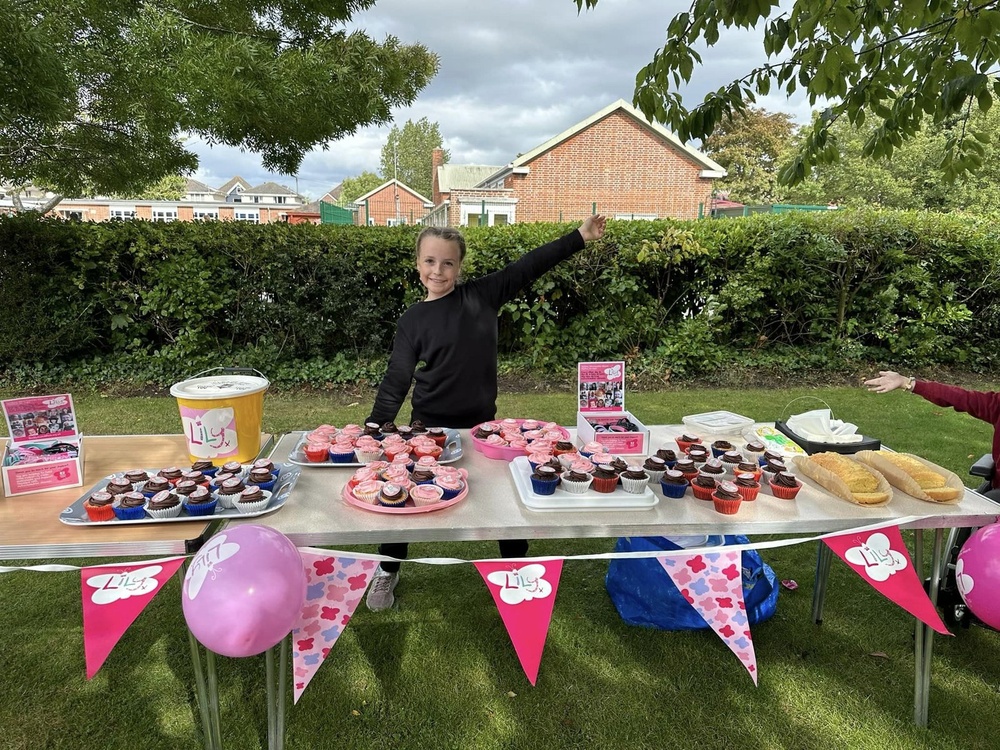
(503, 452)
(407, 509)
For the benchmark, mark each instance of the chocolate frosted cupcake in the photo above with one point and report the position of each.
(686, 467)
(654, 466)
(392, 495)
(754, 450)
(232, 467)
(563, 446)
(252, 499)
(200, 502)
(98, 506)
(731, 459)
(544, 480)
(576, 482)
(668, 456)
(721, 446)
(685, 441)
(619, 465)
(154, 485)
(164, 504)
(266, 463)
(196, 476)
(726, 498)
(404, 431)
(138, 478)
(119, 486)
(389, 428)
(171, 474)
(784, 485)
(673, 484)
(262, 477)
(770, 455)
(185, 487)
(373, 430)
(205, 467)
(698, 454)
(422, 475)
(418, 427)
(634, 480)
(130, 506)
(747, 485)
(229, 491)
(747, 467)
(703, 486)
(714, 467)
(605, 478)
(484, 431)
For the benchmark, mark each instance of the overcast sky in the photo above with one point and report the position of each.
(512, 75)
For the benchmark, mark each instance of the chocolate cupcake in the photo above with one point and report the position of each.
(714, 466)
(731, 459)
(544, 480)
(721, 446)
(130, 506)
(619, 465)
(137, 477)
(196, 476)
(171, 474)
(392, 495)
(654, 466)
(667, 455)
(747, 486)
(119, 486)
(418, 427)
(372, 429)
(605, 478)
(673, 484)
(634, 480)
(262, 477)
(205, 467)
(703, 486)
(233, 467)
(252, 499)
(727, 498)
(686, 467)
(389, 428)
(185, 487)
(98, 506)
(154, 485)
(200, 502)
(576, 482)
(227, 492)
(164, 504)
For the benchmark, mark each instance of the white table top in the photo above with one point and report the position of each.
(315, 514)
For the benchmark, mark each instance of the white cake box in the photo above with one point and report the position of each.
(601, 393)
(42, 428)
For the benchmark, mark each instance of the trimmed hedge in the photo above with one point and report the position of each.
(151, 303)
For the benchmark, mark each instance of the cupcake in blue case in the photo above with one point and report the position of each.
(673, 484)
(544, 480)
(342, 454)
(205, 467)
(130, 506)
(451, 484)
(261, 477)
(200, 502)
(154, 485)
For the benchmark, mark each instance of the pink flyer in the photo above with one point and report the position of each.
(40, 417)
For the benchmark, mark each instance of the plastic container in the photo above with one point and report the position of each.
(717, 423)
(222, 415)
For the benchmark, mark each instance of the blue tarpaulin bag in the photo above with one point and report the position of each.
(643, 593)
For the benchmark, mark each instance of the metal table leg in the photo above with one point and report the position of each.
(824, 556)
(201, 694)
(919, 699)
(277, 686)
(923, 666)
(213, 698)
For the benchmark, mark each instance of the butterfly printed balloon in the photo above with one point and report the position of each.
(243, 590)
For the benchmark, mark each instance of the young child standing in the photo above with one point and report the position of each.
(453, 332)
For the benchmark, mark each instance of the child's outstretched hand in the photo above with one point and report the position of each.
(593, 228)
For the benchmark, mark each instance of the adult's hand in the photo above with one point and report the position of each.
(593, 228)
(886, 381)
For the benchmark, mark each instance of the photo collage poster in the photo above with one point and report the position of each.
(601, 386)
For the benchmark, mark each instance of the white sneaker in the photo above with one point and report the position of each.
(380, 592)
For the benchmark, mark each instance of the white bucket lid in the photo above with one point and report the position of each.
(219, 386)
(688, 542)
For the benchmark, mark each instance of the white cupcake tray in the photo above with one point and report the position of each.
(76, 515)
(559, 500)
(451, 453)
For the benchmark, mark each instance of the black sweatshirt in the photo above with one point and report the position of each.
(455, 337)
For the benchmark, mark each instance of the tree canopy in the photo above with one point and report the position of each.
(894, 61)
(407, 153)
(752, 147)
(97, 94)
(353, 187)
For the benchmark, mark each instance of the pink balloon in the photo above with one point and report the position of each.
(977, 574)
(244, 590)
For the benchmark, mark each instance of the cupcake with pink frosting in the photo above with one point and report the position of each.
(426, 494)
(451, 485)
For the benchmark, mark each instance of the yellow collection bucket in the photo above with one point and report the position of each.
(222, 415)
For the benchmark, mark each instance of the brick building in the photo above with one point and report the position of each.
(615, 162)
(390, 204)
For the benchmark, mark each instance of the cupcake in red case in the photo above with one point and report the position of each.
(171, 474)
(726, 499)
(747, 485)
(98, 506)
(605, 478)
(785, 485)
(685, 441)
(703, 486)
(686, 467)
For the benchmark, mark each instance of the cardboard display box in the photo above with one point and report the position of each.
(601, 391)
(45, 451)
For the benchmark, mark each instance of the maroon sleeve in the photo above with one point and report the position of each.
(983, 405)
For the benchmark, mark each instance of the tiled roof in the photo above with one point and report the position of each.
(269, 188)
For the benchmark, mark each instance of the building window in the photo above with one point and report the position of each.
(281, 199)
(122, 213)
(252, 216)
(205, 215)
(256, 199)
(499, 220)
(164, 214)
(71, 215)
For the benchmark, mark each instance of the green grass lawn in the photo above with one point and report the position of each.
(439, 670)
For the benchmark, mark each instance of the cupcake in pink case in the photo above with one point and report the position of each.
(368, 491)
(426, 494)
(576, 482)
(451, 485)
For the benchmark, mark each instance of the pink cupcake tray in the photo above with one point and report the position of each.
(521, 470)
(452, 452)
(75, 515)
(502, 452)
(407, 509)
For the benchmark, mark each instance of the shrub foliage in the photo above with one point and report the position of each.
(151, 303)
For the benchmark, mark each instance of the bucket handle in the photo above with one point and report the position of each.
(230, 371)
(804, 398)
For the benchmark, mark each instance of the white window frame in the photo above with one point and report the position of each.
(206, 214)
(475, 209)
(164, 214)
(252, 216)
(121, 212)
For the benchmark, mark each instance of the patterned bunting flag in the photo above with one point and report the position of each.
(334, 588)
(525, 594)
(712, 583)
(880, 558)
(113, 596)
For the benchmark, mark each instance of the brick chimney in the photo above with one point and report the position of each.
(437, 156)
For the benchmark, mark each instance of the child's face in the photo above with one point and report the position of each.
(438, 264)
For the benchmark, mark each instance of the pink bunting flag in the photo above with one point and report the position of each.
(525, 594)
(113, 596)
(334, 588)
(712, 583)
(880, 558)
